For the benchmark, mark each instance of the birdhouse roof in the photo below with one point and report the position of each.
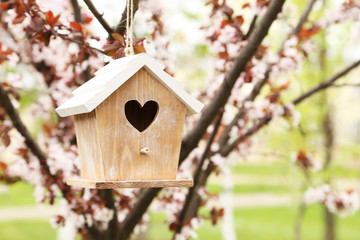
(109, 78)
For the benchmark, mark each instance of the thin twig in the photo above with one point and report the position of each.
(120, 28)
(80, 42)
(99, 17)
(192, 139)
(78, 18)
(345, 85)
(199, 169)
(252, 27)
(77, 12)
(260, 84)
(304, 17)
(264, 121)
(219, 100)
(326, 84)
(298, 220)
(30, 142)
(146, 197)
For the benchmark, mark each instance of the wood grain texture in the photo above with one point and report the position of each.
(121, 142)
(86, 183)
(87, 135)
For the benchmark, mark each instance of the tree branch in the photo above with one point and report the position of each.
(304, 17)
(78, 18)
(259, 85)
(146, 197)
(80, 42)
(120, 28)
(113, 228)
(13, 114)
(326, 84)
(193, 137)
(106, 194)
(264, 121)
(99, 16)
(191, 140)
(77, 12)
(345, 85)
(20, 126)
(184, 214)
(252, 27)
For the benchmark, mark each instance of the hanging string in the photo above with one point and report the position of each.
(129, 50)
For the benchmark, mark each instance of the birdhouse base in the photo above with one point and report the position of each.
(87, 183)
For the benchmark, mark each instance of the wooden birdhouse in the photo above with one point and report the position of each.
(129, 122)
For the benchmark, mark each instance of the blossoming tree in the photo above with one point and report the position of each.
(245, 93)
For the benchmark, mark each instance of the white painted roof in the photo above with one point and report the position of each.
(109, 78)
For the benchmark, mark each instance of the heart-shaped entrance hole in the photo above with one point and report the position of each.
(141, 117)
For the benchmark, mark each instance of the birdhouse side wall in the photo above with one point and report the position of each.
(87, 135)
(121, 142)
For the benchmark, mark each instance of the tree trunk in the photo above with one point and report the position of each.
(328, 131)
(330, 233)
(330, 226)
(298, 221)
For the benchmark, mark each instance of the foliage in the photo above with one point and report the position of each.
(247, 86)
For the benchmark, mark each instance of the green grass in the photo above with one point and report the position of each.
(20, 193)
(286, 168)
(343, 172)
(266, 223)
(277, 223)
(254, 223)
(251, 188)
(262, 170)
(19, 230)
(260, 223)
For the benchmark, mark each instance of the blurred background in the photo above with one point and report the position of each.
(264, 193)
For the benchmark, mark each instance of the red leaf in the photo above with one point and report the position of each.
(49, 17)
(223, 23)
(22, 151)
(228, 11)
(173, 226)
(113, 46)
(284, 86)
(120, 53)
(223, 55)
(87, 18)
(262, 3)
(273, 98)
(221, 212)
(76, 26)
(240, 19)
(118, 37)
(139, 48)
(111, 52)
(4, 6)
(3, 165)
(248, 77)
(56, 19)
(5, 139)
(245, 5)
(307, 33)
(19, 19)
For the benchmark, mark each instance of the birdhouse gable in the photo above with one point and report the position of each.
(109, 78)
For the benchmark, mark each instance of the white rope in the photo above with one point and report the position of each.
(129, 50)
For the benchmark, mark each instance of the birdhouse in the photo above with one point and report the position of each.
(129, 123)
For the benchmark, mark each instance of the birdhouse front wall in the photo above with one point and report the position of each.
(120, 136)
(87, 135)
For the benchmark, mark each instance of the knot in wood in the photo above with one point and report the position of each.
(144, 150)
